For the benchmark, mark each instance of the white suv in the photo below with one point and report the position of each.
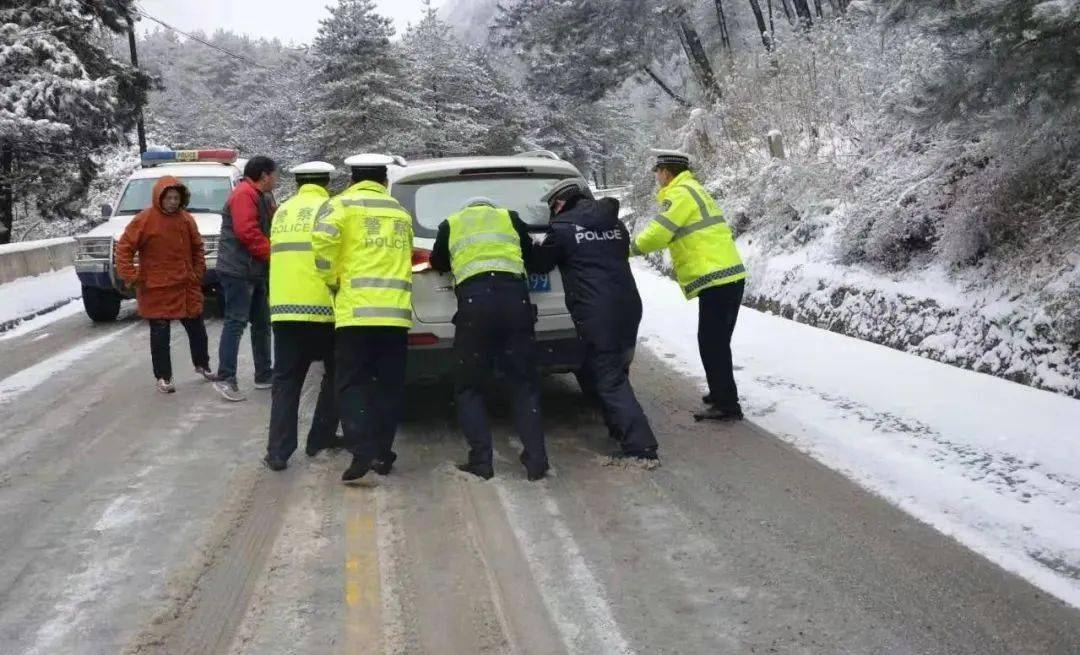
(432, 190)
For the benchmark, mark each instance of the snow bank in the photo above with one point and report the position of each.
(985, 328)
(28, 297)
(991, 463)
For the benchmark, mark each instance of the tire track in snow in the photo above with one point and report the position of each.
(30, 378)
(574, 598)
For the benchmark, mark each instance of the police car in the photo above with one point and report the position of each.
(433, 189)
(209, 175)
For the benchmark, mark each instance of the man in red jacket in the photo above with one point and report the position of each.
(243, 269)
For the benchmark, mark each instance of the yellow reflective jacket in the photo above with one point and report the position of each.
(297, 292)
(483, 240)
(363, 249)
(691, 225)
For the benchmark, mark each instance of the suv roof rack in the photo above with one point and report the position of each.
(543, 154)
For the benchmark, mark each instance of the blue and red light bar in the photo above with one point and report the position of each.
(156, 157)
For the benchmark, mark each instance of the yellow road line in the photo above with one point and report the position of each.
(363, 597)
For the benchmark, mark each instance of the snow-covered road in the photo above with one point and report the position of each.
(140, 523)
(992, 463)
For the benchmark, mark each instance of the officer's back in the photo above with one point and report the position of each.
(591, 246)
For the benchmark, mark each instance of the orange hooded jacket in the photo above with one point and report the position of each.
(169, 274)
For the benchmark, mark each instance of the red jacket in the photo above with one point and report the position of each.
(244, 207)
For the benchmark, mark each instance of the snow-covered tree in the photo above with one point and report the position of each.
(64, 97)
(469, 107)
(364, 97)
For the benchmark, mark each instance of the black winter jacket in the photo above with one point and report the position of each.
(591, 248)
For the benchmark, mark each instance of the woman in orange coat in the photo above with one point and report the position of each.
(168, 276)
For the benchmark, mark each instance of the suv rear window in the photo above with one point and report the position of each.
(432, 201)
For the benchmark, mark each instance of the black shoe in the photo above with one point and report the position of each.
(533, 472)
(337, 443)
(484, 471)
(356, 470)
(274, 464)
(717, 414)
(643, 455)
(707, 399)
(384, 464)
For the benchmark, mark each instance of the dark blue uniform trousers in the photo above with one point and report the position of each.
(495, 327)
(296, 345)
(370, 373)
(608, 374)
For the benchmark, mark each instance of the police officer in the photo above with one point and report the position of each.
(590, 245)
(363, 251)
(708, 267)
(302, 313)
(485, 247)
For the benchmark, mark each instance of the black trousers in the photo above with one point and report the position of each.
(718, 310)
(495, 327)
(160, 351)
(296, 346)
(370, 371)
(607, 371)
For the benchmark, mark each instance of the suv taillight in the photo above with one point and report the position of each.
(421, 260)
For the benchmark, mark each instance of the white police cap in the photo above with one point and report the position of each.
(369, 160)
(477, 201)
(312, 168)
(675, 157)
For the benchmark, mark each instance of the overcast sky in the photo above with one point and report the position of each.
(289, 20)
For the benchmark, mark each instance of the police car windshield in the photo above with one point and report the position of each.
(208, 194)
(432, 201)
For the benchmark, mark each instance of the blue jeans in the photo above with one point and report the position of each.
(246, 301)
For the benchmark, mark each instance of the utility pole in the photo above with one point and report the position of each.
(135, 62)
(7, 192)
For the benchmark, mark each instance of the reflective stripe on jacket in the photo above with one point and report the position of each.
(297, 291)
(691, 225)
(363, 248)
(483, 240)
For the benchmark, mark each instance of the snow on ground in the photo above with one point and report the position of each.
(28, 379)
(989, 462)
(30, 297)
(961, 321)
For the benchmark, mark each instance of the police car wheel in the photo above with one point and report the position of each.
(102, 305)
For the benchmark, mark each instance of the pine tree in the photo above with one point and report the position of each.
(64, 98)
(365, 99)
(468, 105)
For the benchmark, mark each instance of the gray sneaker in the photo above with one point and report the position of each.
(229, 391)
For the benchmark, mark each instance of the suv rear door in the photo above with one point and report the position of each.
(431, 201)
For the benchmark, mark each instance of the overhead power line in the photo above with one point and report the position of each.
(139, 10)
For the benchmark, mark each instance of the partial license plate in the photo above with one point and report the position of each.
(539, 282)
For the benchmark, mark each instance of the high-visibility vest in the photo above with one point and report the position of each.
(483, 240)
(363, 248)
(691, 225)
(297, 292)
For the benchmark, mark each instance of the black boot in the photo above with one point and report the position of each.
(533, 471)
(717, 414)
(356, 470)
(335, 443)
(484, 471)
(707, 399)
(383, 464)
(274, 463)
(648, 455)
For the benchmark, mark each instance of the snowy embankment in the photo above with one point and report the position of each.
(30, 302)
(989, 462)
(925, 313)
